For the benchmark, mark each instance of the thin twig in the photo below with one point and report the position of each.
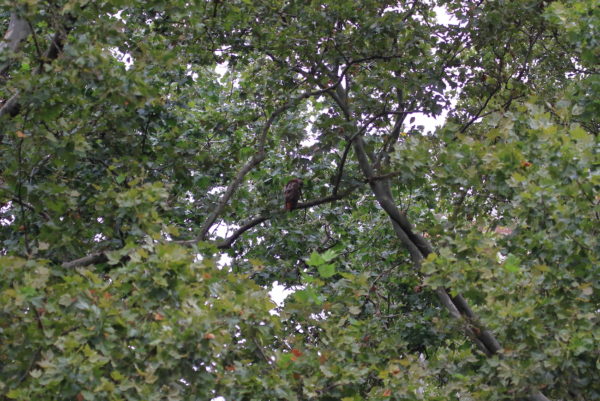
(29, 206)
(477, 115)
(35, 42)
(19, 199)
(258, 157)
(228, 242)
(261, 352)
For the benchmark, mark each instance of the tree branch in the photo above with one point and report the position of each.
(483, 106)
(12, 106)
(384, 197)
(419, 249)
(18, 31)
(338, 177)
(366, 125)
(258, 157)
(393, 138)
(29, 206)
(98, 257)
(228, 242)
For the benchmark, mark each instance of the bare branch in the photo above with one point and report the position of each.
(98, 257)
(384, 198)
(362, 129)
(393, 138)
(258, 157)
(228, 242)
(340, 171)
(537, 396)
(11, 106)
(252, 223)
(36, 43)
(477, 115)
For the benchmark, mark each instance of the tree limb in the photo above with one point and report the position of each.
(477, 115)
(384, 198)
(29, 206)
(419, 248)
(18, 31)
(338, 177)
(228, 242)
(98, 257)
(12, 106)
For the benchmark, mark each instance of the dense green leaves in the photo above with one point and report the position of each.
(145, 146)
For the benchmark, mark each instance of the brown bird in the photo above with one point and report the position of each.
(292, 192)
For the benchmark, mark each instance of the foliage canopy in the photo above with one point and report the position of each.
(145, 145)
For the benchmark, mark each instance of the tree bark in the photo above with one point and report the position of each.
(18, 31)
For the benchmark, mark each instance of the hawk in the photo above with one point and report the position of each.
(292, 192)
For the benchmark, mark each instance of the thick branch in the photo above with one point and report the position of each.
(385, 200)
(18, 31)
(12, 105)
(238, 233)
(350, 141)
(486, 337)
(91, 259)
(419, 248)
(538, 396)
(258, 157)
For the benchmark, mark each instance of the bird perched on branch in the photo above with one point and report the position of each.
(292, 192)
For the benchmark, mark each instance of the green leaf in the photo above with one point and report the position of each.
(326, 270)
(512, 264)
(307, 295)
(329, 255)
(315, 259)
(160, 135)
